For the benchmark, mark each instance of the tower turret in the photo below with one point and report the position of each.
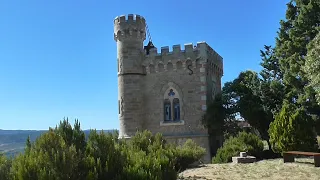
(129, 33)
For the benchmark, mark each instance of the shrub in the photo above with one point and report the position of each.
(104, 159)
(158, 164)
(145, 141)
(292, 129)
(269, 154)
(5, 165)
(159, 159)
(247, 142)
(63, 153)
(149, 157)
(187, 154)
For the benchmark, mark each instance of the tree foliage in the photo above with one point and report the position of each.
(220, 116)
(289, 74)
(250, 105)
(312, 65)
(292, 130)
(5, 165)
(65, 153)
(272, 90)
(243, 142)
(299, 28)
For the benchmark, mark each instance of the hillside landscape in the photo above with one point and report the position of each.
(13, 142)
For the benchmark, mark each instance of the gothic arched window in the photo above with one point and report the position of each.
(171, 106)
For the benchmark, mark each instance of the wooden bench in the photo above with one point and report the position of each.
(289, 156)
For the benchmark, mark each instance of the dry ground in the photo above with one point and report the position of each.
(302, 169)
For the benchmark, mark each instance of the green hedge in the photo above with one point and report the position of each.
(244, 141)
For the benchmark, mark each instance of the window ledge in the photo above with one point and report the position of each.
(172, 123)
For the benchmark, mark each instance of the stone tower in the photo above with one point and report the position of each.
(129, 33)
(165, 92)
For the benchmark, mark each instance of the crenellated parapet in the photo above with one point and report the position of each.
(189, 50)
(193, 56)
(129, 27)
(178, 58)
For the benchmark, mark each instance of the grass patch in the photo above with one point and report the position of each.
(303, 168)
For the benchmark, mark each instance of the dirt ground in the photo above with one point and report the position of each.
(301, 169)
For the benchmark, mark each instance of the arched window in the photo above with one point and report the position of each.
(176, 107)
(169, 66)
(167, 110)
(160, 67)
(151, 68)
(179, 65)
(171, 106)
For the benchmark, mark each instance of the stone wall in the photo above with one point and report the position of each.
(214, 74)
(181, 73)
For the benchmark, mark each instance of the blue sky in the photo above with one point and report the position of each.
(58, 58)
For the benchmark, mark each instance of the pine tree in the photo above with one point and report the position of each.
(312, 65)
(272, 89)
(292, 130)
(299, 28)
(28, 146)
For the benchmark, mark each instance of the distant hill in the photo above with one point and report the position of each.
(13, 142)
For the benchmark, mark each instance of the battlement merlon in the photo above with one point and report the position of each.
(129, 27)
(201, 50)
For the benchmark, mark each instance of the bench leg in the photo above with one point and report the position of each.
(316, 161)
(288, 158)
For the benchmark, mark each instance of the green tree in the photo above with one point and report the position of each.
(214, 118)
(299, 28)
(312, 65)
(272, 90)
(292, 130)
(219, 118)
(246, 90)
(72, 135)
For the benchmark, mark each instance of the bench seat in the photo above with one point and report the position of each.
(289, 156)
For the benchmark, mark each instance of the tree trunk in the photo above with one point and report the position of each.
(269, 144)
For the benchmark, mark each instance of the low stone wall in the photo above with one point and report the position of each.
(201, 140)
